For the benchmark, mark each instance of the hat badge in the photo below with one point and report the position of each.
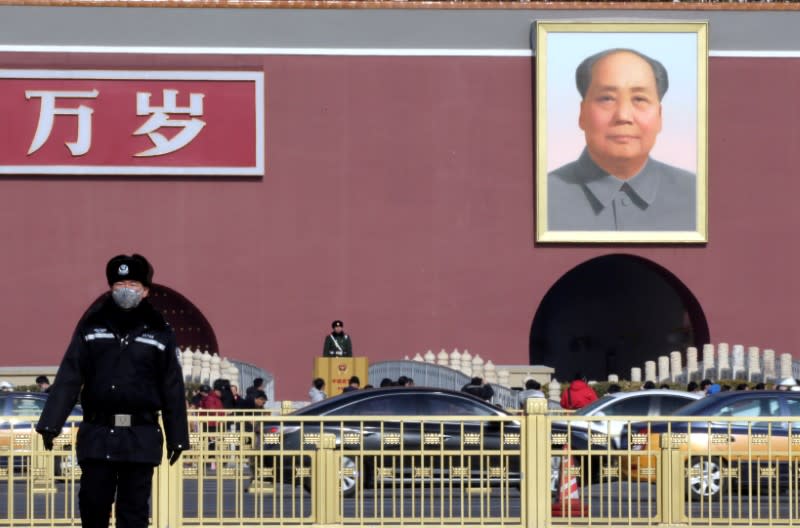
(123, 269)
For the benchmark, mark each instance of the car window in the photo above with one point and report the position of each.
(751, 407)
(438, 405)
(381, 405)
(633, 406)
(27, 406)
(793, 404)
(670, 404)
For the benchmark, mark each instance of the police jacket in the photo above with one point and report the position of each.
(124, 365)
(337, 345)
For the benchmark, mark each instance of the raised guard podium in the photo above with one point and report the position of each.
(336, 372)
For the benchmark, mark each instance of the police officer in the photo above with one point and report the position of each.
(337, 343)
(123, 361)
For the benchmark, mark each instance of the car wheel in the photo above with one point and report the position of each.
(351, 476)
(349, 481)
(705, 478)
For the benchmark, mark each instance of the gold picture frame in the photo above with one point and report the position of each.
(621, 132)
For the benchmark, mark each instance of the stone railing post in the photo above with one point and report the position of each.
(708, 360)
(675, 366)
(738, 368)
(650, 371)
(753, 364)
(466, 362)
(691, 364)
(769, 365)
(443, 358)
(554, 390)
(455, 360)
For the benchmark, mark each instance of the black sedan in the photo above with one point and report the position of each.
(429, 436)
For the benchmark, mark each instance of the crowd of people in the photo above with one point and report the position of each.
(579, 393)
(224, 395)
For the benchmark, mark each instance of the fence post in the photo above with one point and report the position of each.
(535, 487)
(672, 494)
(326, 481)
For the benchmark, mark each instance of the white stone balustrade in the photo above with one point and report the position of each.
(737, 366)
(675, 366)
(723, 361)
(455, 360)
(663, 369)
(753, 363)
(466, 363)
(718, 362)
(443, 358)
(785, 366)
(691, 363)
(769, 365)
(708, 360)
(650, 371)
(554, 390)
(477, 366)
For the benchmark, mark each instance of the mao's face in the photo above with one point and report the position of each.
(621, 114)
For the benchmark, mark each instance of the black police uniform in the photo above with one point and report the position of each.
(125, 366)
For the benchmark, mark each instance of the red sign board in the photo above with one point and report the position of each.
(131, 122)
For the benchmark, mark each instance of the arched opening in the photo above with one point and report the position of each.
(613, 313)
(192, 329)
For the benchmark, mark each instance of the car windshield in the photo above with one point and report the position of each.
(589, 409)
(696, 408)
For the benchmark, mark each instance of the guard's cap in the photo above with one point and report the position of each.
(134, 267)
(336, 323)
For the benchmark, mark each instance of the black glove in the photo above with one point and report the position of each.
(47, 439)
(173, 454)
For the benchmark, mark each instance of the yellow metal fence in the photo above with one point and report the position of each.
(530, 470)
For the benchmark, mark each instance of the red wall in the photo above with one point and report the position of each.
(398, 197)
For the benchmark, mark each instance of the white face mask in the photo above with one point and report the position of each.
(127, 298)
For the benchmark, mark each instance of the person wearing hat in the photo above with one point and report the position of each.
(337, 343)
(44, 383)
(123, 362)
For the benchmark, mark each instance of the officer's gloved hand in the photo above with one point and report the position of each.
(173, 454)
(47, 439)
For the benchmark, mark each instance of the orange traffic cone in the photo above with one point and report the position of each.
(569, 503)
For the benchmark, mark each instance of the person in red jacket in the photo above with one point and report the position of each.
(578, 394)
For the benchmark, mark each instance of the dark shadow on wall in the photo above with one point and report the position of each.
(613, 313)
(192, 329)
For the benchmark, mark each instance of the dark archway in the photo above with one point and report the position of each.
(192, 329)
(612, 313)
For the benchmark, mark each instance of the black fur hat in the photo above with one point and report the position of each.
(133, 267)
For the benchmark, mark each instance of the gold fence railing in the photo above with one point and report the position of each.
(530, 470)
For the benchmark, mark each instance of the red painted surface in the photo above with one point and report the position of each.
(398, 197)
(227, 112)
